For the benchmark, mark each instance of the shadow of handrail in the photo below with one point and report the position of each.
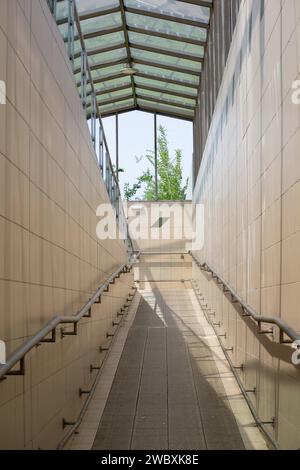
(248, 311)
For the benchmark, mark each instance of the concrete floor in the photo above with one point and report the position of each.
(167, 392)
(166, 383)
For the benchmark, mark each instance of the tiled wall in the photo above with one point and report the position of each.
(249, 182)
(50, 258)
(164, 230)
(163, 267)
(162, 226)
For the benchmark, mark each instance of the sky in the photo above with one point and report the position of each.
(136, 136)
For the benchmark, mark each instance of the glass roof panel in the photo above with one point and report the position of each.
(77, 46)
(110, 84)
(77, 63)
(161, 59)
(63, 28)
(162, 34)
(166, 97)
(168, 74)
(166, 86)
(165, 109)
(165, 26)
(110, 39)
(62, 10)
(108, 57)
(107, 71)
(171, 7)
(116, 106)
(114, 94)
(89, 5)
(166, 44)
(101, 23)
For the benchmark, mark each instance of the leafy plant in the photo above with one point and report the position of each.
(170, 179)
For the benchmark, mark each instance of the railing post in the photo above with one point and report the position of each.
(118, 203)
(117, 147)
(93, 119)
(108, 174)
(83, 79)
(101, 153)
(71, 24)
(155, 157)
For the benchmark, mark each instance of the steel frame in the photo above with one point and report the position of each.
(132, 61)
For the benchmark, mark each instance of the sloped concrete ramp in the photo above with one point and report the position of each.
(167, 392)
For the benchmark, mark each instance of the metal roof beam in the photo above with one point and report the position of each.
(97, 13)
(109, 77)
(149, 88)
(91, 14)
(103, 65)
(146, 109)
(179, 55)
(146, 76)
(122, 110)
(114, 100)
(173, 68)
(165, 102)
(166, 91)
(173, 37)
(161, 16)
(174, 114)
(167, 80)
(142, 62)
(94, 34)
(113, 112)
(199, 3)
(124, 22)
(91, 52)
(112, 90)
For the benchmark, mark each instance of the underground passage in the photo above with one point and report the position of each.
(149, 227)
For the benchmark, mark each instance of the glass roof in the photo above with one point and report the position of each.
(142, 54)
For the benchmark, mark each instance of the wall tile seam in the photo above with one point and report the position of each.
(65, 289)
(225, 71)
(251, 83)
(63, 248)
(27, 229)
(87, 263)
(61, 50)
(74, 150)
(240, 85)
(34, 384)
(30, 180)
(268, 247)
(30, 130)
(13, 46)
(86, 134)
(58, 39)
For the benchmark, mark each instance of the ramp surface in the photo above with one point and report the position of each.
(167, 392)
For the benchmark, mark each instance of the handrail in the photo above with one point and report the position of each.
(111, 180)
(248, 310)
(19, 354)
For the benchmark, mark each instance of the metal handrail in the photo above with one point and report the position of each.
(248, 310)
(116, 199)
(19, 354)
